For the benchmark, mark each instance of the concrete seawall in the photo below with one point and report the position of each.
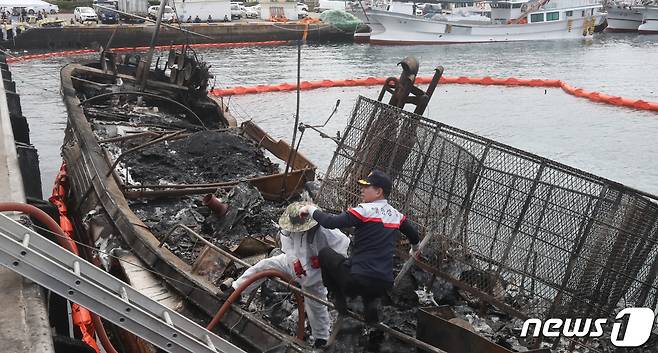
(77, 37)
(24, 325)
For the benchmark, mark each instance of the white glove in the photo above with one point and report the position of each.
(413, 252)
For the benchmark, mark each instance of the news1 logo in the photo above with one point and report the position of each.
(639, 323)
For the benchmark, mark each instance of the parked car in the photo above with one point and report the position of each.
(84, 14)
(237, 12)
(301, 5)
(108, 17)
(112, 4)
(252, 12)
(49, 8)
(167, 16)
(301, 12)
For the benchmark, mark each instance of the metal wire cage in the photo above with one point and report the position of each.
(543, 239)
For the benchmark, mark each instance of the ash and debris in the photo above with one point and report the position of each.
(139, 110)
(248, 215)
(203, 157)
(135, 115)
(217, 156)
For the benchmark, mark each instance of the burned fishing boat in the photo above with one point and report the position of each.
(143, 147)
(507, 235)
(160, 169)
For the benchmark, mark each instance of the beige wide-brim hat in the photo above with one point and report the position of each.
(291, 221)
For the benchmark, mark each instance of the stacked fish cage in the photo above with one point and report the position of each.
(528, 235)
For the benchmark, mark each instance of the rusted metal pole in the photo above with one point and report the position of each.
(131, 195)
(130, 137)
(145, 66)
(183, 186)
(291, 155)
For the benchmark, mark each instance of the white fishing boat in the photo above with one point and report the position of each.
(444, 11)
(650, 20)
(360, 12)
(624, 16)
(511, 20)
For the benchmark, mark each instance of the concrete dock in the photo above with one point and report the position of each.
(129, 35)
(24, 325)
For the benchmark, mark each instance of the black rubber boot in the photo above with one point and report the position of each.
(375, 339)
(370, 311)
(340, 302)
(320, 343)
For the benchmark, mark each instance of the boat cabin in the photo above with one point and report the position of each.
(541, 10)
(503, 11)
(561, 10)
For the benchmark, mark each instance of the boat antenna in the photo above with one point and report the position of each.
(364, 11)
(145, 65)
(292, 155)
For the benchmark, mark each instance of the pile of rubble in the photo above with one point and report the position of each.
(203, 157)
(248, 215)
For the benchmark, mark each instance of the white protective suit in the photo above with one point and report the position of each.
(303, 246)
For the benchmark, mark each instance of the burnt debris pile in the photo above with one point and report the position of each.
(203, 157)
(247, 215)
(132, 109)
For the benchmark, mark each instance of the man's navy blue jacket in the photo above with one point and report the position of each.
(376, 226)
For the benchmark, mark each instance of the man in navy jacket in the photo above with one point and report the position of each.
(368, 272)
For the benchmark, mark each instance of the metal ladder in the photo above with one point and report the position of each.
(46, 263)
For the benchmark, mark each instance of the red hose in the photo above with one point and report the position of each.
(66, 243)
(102, 335)
(255, 277)
(44, 218)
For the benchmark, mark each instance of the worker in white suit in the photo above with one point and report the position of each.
(301, 241)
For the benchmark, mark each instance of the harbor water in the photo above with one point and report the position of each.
(613, 142)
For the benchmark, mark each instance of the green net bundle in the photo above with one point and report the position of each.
(340, 19)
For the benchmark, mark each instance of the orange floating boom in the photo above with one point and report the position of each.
(463, 80)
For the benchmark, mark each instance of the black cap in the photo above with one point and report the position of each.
(379, 179)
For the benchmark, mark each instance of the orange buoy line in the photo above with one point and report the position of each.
(486, 81)
(21, 58)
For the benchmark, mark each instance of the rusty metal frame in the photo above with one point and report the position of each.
(529, 221)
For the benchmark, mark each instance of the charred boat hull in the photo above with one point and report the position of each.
(95, 190)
